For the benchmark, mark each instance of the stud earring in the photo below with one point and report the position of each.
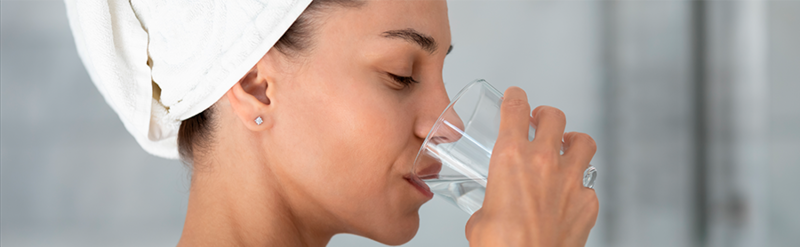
(259, 121)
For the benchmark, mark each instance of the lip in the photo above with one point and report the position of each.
(421, 186)
(431, 170)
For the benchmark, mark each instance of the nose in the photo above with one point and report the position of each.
(431, 104)
(430, 111)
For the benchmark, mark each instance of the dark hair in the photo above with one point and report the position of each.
(196, 133)
(298, 37)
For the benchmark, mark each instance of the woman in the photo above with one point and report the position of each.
(319, 136)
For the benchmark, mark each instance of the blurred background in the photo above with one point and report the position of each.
(695, 106)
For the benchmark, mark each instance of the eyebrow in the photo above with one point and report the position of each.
(425, 42)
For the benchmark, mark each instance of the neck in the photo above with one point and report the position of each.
(239, 202)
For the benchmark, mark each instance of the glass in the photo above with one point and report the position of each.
(454, 158)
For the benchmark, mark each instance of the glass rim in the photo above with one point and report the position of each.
(452, 103)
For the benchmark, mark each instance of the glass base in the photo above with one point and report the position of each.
(467, 194)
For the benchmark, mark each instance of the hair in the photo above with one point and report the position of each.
(195, 135)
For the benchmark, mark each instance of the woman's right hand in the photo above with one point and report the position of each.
(534, 195)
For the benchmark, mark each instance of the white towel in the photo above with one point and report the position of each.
(157, 63)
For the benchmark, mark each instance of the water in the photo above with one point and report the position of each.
(462, 180)
(465, 193)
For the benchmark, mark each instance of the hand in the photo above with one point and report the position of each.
(534, 194)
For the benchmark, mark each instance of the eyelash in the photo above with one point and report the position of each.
(405, 80)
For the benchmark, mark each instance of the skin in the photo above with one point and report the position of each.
(339, 137)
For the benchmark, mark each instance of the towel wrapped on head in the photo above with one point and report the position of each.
(158, 63)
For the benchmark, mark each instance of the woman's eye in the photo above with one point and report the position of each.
(405, 80)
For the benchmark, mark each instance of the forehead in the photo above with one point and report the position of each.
(369, 21)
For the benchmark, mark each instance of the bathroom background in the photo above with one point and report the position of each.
(695, 106)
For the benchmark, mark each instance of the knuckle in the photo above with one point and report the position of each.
(544, 157)
(553, 112)
(584, 139)
(515, 104)
(511, 150)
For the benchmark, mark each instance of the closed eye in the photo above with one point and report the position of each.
(405, 80)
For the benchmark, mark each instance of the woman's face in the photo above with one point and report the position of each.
(349, 122)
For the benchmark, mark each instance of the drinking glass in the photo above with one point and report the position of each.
(454, 158)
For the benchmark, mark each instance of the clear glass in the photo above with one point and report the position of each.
(454, 158)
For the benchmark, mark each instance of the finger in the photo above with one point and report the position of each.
(514, 115)
(590, 209)
(550, 123)
(586, 219)
(471, 223)
(580, 148)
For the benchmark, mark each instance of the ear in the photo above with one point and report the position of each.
(249, 96)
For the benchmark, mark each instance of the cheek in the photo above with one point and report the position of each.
(344, 139)
(345, 144)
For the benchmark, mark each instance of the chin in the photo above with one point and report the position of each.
(398, 233)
